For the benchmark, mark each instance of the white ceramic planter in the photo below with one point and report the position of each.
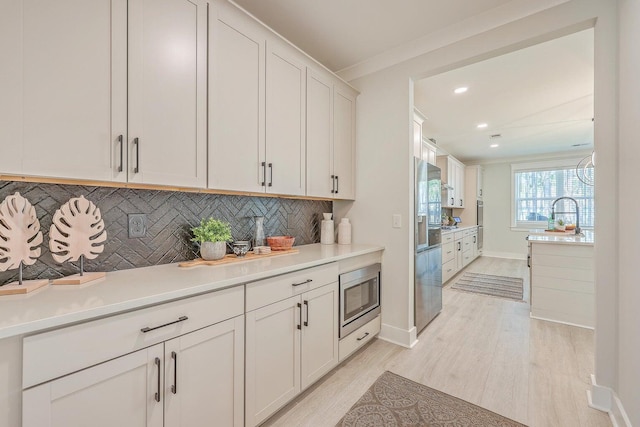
(211, 251)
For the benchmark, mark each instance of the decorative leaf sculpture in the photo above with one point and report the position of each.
(20, 233)
(77, 230)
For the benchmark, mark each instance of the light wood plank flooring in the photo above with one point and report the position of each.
(481, 349)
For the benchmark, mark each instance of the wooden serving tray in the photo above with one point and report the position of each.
(230, 258)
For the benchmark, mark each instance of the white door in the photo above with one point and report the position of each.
(285, 119)
(344, 137)
(272, 358)
(236, 118)
(204, 377)
(168, 92)
(124, 392)
(319, 135)
(63, 109)
(319, 333)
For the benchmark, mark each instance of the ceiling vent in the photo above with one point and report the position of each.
(495, 135)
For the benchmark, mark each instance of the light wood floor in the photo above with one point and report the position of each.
(484, 350)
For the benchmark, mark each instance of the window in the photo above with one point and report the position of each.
(537, 185)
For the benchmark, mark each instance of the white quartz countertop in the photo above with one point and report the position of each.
(539, 236)
(459, 229)
(125, 290)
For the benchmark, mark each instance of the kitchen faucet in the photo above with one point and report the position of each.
(577, 212)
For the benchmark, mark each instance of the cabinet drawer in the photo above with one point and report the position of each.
(446, 238)
(358, 338)
(467, 257)
(467, 243)
(458, 235)
(448, 270)
(268, 291)
(52, 354)
(470, 231)
(448, 252)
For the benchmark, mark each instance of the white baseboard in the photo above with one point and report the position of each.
(398, 336)
(605, 399)
(508, 255)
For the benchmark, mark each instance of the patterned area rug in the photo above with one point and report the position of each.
(487, 284)
(396, 401)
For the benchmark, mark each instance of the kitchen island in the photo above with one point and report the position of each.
(562, 278)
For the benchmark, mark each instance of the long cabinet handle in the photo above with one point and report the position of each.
(157, 396)
(270, 174)
(264, 173)
(302, 283)
(366, 334)
(148, 329)
(306, 306)
(174, 387)
(460, 202)
(333, 184)
(337, 184)
(121, 141)
(300, 318)
(136, 142)
(452, 201)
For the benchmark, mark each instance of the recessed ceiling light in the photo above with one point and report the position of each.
(482, 125)
(494, 145)
(460, 90)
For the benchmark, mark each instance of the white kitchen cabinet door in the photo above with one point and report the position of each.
(429, 152)
(480, 182)
(168, 92)
(285, 119)
(320, 182)
(204, 376)
(237, 91)
(319, 333)
(63, 109)
(272, 358)
(344, 141)
(459, 186)
(126, 391)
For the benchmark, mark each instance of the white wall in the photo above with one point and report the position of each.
(384, 111)
(499, 239)
(629, 255)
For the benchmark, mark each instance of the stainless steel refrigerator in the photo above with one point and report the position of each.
(428, 246)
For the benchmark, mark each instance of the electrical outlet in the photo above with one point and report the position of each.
(397, 221)
(137, 225)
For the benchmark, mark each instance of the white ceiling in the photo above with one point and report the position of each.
(341, 33)
(540, 99)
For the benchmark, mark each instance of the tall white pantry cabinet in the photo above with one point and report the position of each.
(95, 95)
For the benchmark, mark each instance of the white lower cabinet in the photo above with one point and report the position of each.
(459, 249)
(187, 381)
(179, 364)
(289, 345)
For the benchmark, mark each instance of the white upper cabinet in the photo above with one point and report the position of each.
(330, 136)
(63, 103)
(418, 119)
(344, 141)
(453, 178)
(319, 134)
(168, 92)
(285, 119)
(237, 91)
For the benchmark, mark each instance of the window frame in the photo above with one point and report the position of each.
(546, 165)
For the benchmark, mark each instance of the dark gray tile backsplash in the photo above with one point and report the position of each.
(170, 216)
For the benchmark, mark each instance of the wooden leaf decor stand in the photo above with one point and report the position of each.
(77, 232)
(231, 258)
(20, 238)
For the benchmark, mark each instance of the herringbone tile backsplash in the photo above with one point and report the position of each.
(170, 216)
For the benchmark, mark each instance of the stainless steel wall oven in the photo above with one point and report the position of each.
(359, 298)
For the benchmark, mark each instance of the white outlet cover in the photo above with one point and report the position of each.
(397, 221)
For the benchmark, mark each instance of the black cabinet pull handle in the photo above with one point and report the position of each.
(474, 239)
(337, 184)
(136, 142)
(452, 201)
(174, 387)
(270, 174)
(120, 140)
(306, 306)
(460, 202)
(333, 184)
(300, 318)
(364, 336)
(157, 362)
(264, 173)
(302, 283)
(147, 329)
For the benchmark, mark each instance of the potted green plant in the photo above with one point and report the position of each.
(560, 225)
(212, 235)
